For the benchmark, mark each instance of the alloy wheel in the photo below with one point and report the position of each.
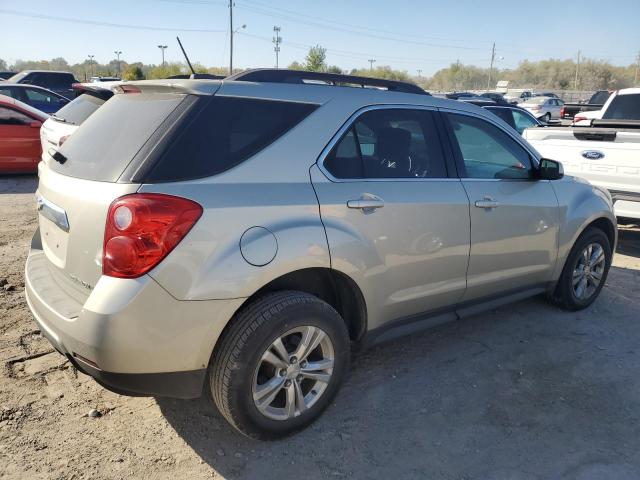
(588, 271)
(293, 373)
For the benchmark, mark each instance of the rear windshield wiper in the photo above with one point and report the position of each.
(60, 119)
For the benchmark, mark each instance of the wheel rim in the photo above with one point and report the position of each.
(293, 373)
(588, 271)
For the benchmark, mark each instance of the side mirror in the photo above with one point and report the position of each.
(550, 169)
(35, 124)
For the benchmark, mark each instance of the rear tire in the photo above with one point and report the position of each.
(257, 380)
(546, 118)
(585, 270)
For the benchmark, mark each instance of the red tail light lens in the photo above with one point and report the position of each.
(142, 229)
(577, 118)
(561, 112)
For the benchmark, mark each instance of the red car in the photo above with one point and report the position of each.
(20, 147)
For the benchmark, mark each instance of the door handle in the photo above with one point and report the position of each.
(366, 204)
(487, 202)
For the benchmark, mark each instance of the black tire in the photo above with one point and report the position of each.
(546, 118)
(252, 331)
(564, 294)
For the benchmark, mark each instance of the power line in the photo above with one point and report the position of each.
(106, 24)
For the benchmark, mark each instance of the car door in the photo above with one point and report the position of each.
(20, 147)
(514, 216)
(396, 222)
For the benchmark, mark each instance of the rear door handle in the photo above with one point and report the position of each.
(487, 202)
(366, 204)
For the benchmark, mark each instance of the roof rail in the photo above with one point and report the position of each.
(271, 75)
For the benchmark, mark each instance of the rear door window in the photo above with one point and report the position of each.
(624, 107)
(387, 144)
(221, 133)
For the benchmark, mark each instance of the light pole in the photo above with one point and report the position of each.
(118, 53)
(371, 62)
(277, 39)
(91, 57)
(419, 73)
(163, 48)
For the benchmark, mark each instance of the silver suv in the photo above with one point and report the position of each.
(249, 232)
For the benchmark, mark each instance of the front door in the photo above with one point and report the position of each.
(514, 217)
(395, 221)
(20, 147)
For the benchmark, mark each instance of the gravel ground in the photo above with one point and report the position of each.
(522, 392)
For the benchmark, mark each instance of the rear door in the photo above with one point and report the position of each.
(19, 141)
(395, 220)
(514, 217)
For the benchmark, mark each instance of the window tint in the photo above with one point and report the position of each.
(223, 133)
(522, 120)
(9, 116)
(488, 152)
(78, 110)
(389, 143)
(6, 91)
(600, 97)
(108, 142)
(624, 107)
(504, 114)
(34, 95)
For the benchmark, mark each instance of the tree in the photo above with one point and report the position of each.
(382, 71)
(315, 61)
(133, 72)
(3, 65)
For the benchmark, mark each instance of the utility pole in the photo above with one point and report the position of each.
(575, 82)
(419, 73)
(371, 62)
(635, 79)
(277, 40)
(163, 48)
(493, 57)
(118, 53)
(91, 63)
(230, 37)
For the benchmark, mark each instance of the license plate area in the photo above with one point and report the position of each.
(54, 231)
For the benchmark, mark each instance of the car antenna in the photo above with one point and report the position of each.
(185, 56)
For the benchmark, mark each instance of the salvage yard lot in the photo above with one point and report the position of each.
(526, 391)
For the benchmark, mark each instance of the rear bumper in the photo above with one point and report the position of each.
(130, 335)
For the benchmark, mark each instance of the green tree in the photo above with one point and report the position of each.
(133, 72)
(3, 65)
(315, 61)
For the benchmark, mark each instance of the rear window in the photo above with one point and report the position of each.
(78, 110)
(223, 132)
(108, 140)
(624, 107)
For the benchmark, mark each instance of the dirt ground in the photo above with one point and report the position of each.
(523, 392)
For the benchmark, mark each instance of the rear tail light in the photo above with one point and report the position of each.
(142, 229)
(561, 112)
(126, 89)
(62, 140)
(578, 118)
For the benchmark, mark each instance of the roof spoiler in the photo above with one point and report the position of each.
(270, 75)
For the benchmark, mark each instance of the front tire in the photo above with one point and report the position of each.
(279, 364)
(585, 270)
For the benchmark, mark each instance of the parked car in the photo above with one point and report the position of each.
(545, 94)
(247, 233)
(19, 136)
(5, 75)
(89, 97)
(58, 82)
(518, 96)
(543, 108)
(496, 97)
(463, 95)
(517, 118)
(606, 154)
(621, 105)
(596, 102)
(38, 97)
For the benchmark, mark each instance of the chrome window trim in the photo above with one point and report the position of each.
(349, 123)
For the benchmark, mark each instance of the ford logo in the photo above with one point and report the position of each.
(592, 154)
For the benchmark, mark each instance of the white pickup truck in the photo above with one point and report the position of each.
(607, 154)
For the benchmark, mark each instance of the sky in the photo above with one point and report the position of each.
(419, 37)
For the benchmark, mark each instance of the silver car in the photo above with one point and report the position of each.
(248, 233)
(543, 108)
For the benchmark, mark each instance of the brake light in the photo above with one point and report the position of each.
(561, 112)
(62, 140)
(142, 229)
(578, 118)
(126, 89)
